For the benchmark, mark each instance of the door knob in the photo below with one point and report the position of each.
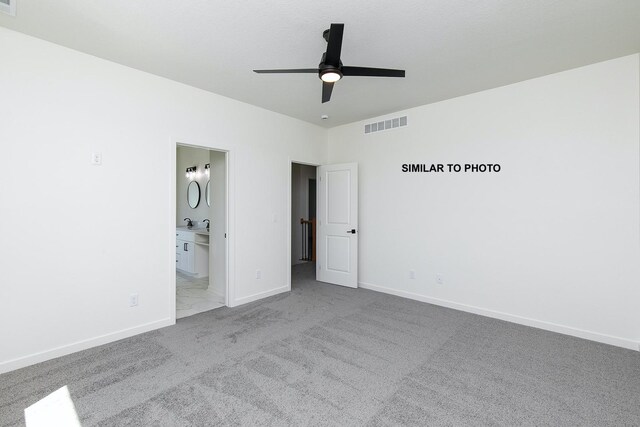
(352, 231)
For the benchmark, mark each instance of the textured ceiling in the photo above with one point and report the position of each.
(448, 47)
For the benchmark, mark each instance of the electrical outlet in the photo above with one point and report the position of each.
(412, 274)
(439, 279)
(133, 300)
(258, 274)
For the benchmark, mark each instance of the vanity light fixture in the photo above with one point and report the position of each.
(207, 169)
(191, 172)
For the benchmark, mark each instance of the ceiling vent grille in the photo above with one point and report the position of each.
(8, 7)
(385, 124)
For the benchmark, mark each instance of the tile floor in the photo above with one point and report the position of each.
(193, 296)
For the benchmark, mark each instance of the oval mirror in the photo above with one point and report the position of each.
(193, 194)
(207, 195)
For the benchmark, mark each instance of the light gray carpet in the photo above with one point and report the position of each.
(327, 355)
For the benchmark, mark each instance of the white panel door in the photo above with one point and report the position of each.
(337, 238)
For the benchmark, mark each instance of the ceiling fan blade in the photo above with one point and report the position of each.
(293, 70)
(327, 88)
(334, 45)
(371, 72)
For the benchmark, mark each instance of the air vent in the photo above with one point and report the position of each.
(8, 7)
(385, 124)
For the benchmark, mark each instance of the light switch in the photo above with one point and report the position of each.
(96, 159)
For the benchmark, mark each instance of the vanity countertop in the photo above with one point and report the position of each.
(193, 230)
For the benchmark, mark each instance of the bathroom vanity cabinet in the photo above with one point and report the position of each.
(192, 251)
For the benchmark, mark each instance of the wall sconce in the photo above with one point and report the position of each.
(207, 169)
(191, 172)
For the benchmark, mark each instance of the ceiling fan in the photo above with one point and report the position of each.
(330, 69)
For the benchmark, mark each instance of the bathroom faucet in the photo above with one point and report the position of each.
(207, 221)
(189, 222)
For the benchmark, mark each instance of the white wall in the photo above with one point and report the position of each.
(89, 236)
(551, 241)
(300, 175)
(188, 157)
(217, 239)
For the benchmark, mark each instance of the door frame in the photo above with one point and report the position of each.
(229, 220)
(288, 218)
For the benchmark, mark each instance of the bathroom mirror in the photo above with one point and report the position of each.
(193, 194)
(207, 196)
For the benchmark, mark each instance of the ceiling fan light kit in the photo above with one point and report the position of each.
(330, 69)
(330, 75)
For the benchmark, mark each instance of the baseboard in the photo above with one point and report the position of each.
(540, 324)
(34, 358)
(259, 295)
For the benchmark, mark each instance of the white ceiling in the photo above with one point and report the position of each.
(448, 47)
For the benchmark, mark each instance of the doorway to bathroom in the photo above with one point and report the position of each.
(201, 230)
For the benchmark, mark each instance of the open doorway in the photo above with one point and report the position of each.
(303, 222)
(201, 217)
